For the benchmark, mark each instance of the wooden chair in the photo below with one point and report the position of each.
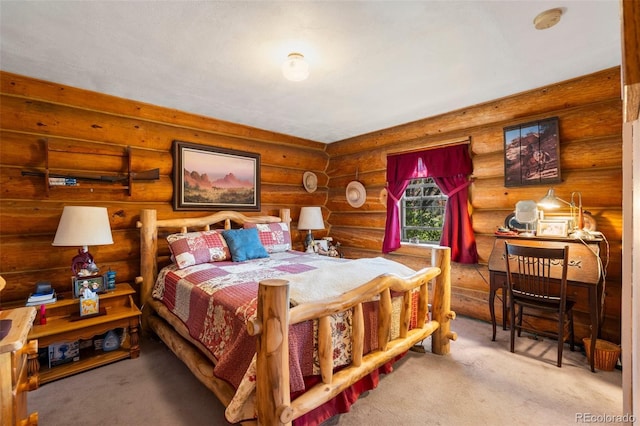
(537, 280)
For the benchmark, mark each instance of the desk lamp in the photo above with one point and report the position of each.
(310, 219)
(551, 201)
(83, 226)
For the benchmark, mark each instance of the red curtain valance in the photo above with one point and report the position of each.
(450, 168)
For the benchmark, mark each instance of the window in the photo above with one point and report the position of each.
(422, 212)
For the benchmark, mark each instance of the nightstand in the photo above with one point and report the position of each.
(64, 325)
(15, 355)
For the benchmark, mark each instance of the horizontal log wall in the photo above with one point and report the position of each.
(32, 111)
(589, 110)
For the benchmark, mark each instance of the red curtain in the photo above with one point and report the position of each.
(449, 167)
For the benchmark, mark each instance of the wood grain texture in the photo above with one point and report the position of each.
(34, 111)
(589, 110)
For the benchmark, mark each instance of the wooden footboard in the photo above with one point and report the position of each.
(274, 317)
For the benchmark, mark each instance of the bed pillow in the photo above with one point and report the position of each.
(275, 237)
(194, 248)
(244, 244)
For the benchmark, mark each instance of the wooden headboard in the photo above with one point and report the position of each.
(150, 226)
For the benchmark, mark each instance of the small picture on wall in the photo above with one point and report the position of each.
(532, 153)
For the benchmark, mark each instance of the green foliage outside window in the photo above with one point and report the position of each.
(422, 212)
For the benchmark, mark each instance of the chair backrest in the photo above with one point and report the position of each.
(537, 274)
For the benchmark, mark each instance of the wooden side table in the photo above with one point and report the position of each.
(15, 354)
(65, 325)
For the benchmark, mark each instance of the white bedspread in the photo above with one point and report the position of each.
(336, 279)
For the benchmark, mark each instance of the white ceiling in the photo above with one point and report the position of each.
(374, 64)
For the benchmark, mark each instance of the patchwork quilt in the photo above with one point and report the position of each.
(215, 301)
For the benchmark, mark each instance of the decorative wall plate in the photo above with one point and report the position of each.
(589, 222)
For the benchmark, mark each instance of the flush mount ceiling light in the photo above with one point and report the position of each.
(547, 19)
(295, 68)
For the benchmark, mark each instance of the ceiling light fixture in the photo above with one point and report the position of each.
(295, 68)
(547, 19)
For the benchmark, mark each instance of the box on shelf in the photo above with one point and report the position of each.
(62, 353)
(89, 303)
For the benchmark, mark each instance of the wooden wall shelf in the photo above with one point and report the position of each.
(60, 177)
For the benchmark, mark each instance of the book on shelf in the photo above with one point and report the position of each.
(41, 298)
(61, 181)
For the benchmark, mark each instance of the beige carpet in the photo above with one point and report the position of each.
(479, 383)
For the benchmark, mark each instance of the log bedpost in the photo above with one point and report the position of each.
(285, 216)
(272, 362)
(441, 257)
(148, 259)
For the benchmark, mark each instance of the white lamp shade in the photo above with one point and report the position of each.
(83, 226)
(295, 68)
(310, 218)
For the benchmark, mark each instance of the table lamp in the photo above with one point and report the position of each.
(551, 201)
(83, 226)
(310, 219)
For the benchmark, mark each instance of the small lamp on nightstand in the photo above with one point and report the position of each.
(83, 226)
(310, 219)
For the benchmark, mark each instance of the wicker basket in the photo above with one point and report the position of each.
(607, 354)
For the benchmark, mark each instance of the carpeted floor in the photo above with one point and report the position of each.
(479, 383)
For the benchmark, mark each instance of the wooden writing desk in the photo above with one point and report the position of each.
(584, 271)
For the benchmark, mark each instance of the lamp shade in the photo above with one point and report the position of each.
(549, 201)
(310, 218)
(83, 226)
(295, 68)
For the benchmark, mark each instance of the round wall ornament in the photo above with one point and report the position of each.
(310, 181)
(356, 194)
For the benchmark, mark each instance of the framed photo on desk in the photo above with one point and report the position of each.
(552, 228)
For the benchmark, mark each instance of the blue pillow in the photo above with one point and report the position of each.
(244, 244)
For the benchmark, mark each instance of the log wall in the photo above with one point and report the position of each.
(32, 111)
(590, 119)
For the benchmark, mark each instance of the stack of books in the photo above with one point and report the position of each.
(42, 298)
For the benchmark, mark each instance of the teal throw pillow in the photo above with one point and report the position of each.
(244, 244)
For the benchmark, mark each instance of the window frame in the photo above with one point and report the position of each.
(440, 199)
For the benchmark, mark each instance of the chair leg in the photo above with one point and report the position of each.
(571, 334)
(520, 313)
(561, 334)
(512, 324)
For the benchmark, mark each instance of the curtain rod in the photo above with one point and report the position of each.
(450, 142)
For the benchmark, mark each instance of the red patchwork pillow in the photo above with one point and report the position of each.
(275, 237)
(194, 248)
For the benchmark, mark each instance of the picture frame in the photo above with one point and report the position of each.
(552, 228)
(95, 282)
(532, 153)
(322, 244)
(211, 178)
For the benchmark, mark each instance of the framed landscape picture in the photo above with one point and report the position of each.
(532, 153)
(210, 178)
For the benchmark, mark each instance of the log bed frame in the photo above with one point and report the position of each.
(273, 403)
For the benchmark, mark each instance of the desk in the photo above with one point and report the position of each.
(584, 271)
